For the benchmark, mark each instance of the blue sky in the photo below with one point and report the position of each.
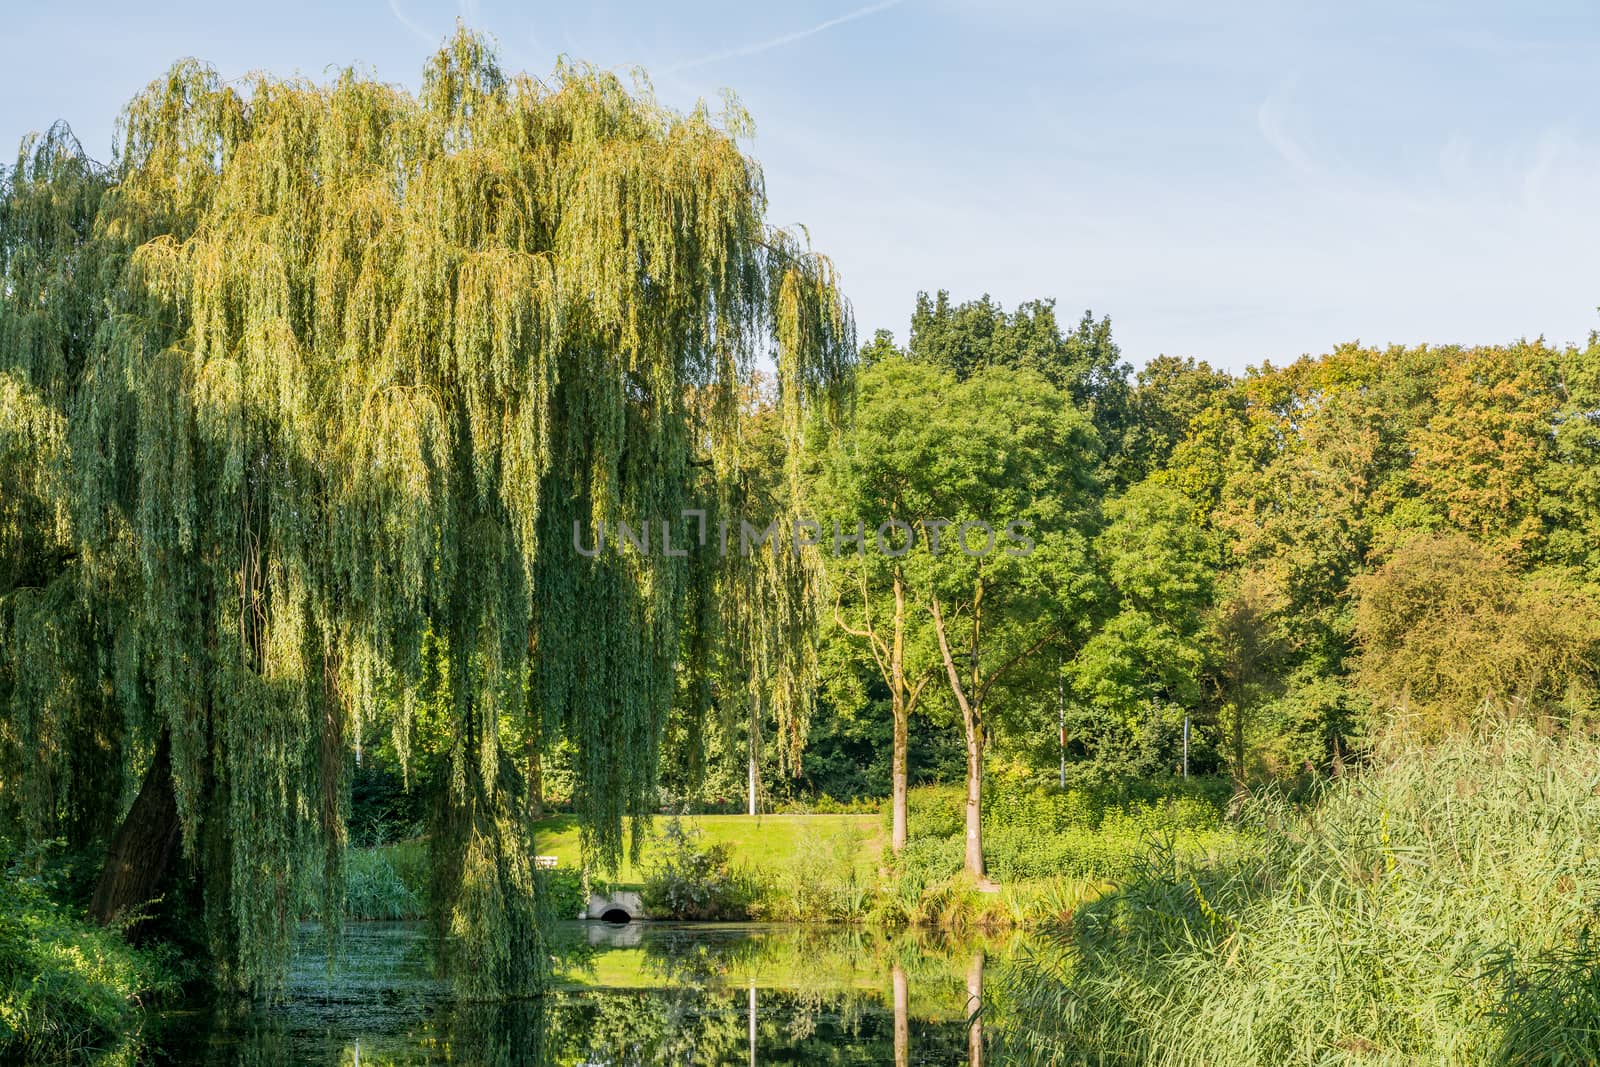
(1244, 182)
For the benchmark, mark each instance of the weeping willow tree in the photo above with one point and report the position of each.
(302, 396)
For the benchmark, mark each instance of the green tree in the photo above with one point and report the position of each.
(1246, 631)
(1010, 460)
(1447, 626)
(1170, 394)
(1084, 362)
(345, 373)
(1142, 669)
(863, 483)
(1570, 482)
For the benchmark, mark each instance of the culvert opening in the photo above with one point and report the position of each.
(616, 916)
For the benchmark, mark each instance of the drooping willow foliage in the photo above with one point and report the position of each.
(313, 381)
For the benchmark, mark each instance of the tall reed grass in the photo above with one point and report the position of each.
(1437, 908)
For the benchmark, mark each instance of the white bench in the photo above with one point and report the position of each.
(544, 863)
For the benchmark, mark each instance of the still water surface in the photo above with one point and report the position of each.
(646, 993)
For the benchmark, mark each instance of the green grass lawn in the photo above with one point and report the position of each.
(756, 841)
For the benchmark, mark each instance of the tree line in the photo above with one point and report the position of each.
(1286, 563)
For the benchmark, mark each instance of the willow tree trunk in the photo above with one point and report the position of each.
(144, 847)
(535, 777)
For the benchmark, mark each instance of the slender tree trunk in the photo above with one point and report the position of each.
(145, 845)
(898, 831)
(902, 1017)
(972, 722)
(535, 781)
(974, 730)
(890, 655)
(1238, 746)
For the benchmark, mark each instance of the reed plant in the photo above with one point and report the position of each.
(1439, 907)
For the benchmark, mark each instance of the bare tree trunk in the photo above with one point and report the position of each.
(972, 722)
(145, 844)
(890, 656)
(974, 729)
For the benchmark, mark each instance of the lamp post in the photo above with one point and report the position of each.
(1061, 724)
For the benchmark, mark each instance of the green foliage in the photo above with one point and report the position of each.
(686, 879)
(1436, 909)
(823, 880)
(69, 990)
(563, 892)
(1448, 627)
(1085, 364)
(1143, 667)
(1080, 833)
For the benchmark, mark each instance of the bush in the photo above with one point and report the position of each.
(1032, 833)
(688, 880)
(820, 883)
(823, 804)
(562, 893)
(68, 988)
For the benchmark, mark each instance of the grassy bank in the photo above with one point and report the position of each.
(1439, 908)
(761, 841)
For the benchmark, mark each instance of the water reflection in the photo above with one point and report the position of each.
(638, 994)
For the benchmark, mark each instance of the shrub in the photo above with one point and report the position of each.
(821, 882)
(688, 880)
(562, 893)
(823, 804)
(1032, 833)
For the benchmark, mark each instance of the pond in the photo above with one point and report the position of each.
(642, 993)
